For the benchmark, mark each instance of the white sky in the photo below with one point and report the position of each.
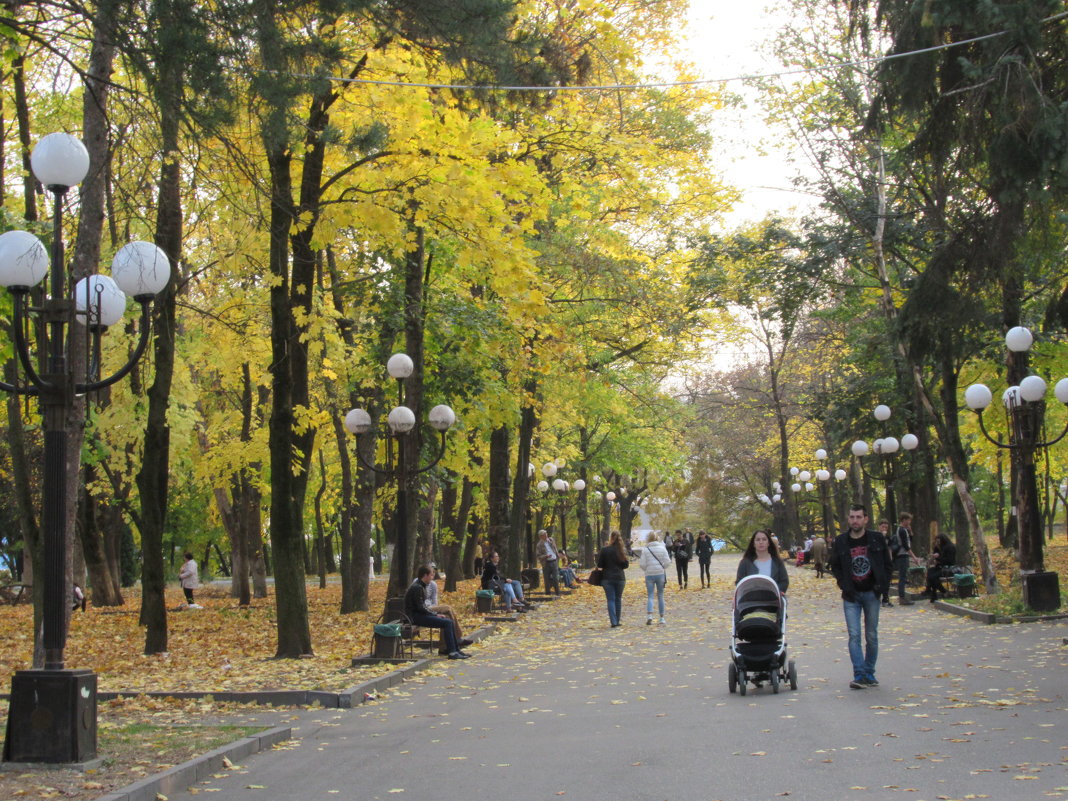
(728, 38)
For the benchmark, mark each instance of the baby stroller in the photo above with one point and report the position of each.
(758, 637)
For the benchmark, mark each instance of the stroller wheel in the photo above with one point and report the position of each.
(742, 681)
(791, 673)
(775, 681)
(732, 677)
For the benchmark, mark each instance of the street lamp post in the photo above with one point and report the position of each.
(886, 449)
(823, 476)
(1025, 404)
(52, 714)
(401, 420)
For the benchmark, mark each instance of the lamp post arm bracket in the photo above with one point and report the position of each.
(22, 347)
(390, 472)
(994, 440)
(437, 459)
(139, 351)
(16, 390)
(1055, 441)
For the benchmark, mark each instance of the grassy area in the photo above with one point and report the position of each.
(136, 739)
(1008, 601)
(167, 741)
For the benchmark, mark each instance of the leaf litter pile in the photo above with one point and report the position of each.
(218, 648)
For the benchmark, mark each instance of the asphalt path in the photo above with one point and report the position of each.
(562, 706)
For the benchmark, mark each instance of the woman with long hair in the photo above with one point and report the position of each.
(612, 560)
(762, 556)
(943, 557)
(654, 561)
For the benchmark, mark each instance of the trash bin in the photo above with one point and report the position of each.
(531, 576)
(483, 600)
(965, 584)
(387, 640)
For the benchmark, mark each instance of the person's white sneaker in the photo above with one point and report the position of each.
(661, 621)
(195, 606)
(649, 621)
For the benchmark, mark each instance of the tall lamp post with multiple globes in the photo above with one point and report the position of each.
(401, 422)
(1025, 404)
(823, 476)
(886, 449)
(52, 716)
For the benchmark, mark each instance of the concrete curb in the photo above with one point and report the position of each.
(991, 618)
(964, 611)
(199, 768)
(346, 699)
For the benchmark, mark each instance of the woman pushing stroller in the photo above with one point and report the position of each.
(762, 557)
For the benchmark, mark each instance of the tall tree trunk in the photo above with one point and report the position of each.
(320, 533)
(498, 511)
(528, 423)
(103, 584)
(153, 478)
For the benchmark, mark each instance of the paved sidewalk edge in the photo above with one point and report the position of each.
(199, 768)
(189, 773)
(346, 699)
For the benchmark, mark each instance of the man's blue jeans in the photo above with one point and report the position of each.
(863, 659)
(656, 583)
(613, 592)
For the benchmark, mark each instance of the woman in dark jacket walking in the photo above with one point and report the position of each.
(683, 553)
(613, 561)
(704, 550)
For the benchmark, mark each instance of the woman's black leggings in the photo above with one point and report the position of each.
(683, 566)
(188, 594)
(706, 572)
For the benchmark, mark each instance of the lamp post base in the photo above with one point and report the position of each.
(1041, 591)
(51, 717)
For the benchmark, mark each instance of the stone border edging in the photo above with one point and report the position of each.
(991, 618)
(346, 699)
(198, 768)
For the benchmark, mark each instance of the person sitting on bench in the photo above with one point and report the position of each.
(510, 589)
(435, 607)
(415, 609)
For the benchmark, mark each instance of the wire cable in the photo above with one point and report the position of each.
(666, 84)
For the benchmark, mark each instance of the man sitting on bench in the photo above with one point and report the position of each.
(415, 609)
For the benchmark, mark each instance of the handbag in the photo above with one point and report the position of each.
(595, 577)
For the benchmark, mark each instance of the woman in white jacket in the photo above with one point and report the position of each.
(654, 561)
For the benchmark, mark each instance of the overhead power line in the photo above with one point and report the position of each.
(667, 84)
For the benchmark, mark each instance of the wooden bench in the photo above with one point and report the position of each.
(15, 593)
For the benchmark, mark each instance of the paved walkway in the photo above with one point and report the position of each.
(563, 706)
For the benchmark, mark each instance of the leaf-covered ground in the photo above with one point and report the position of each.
(222, 647)
(219, 647)
(1009, 601)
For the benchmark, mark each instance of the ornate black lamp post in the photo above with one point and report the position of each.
(52, 714)
(401, 421)
(1025, 406)
(886, 449)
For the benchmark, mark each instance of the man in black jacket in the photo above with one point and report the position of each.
(901, 551)
(415, 609)
(860, 560)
